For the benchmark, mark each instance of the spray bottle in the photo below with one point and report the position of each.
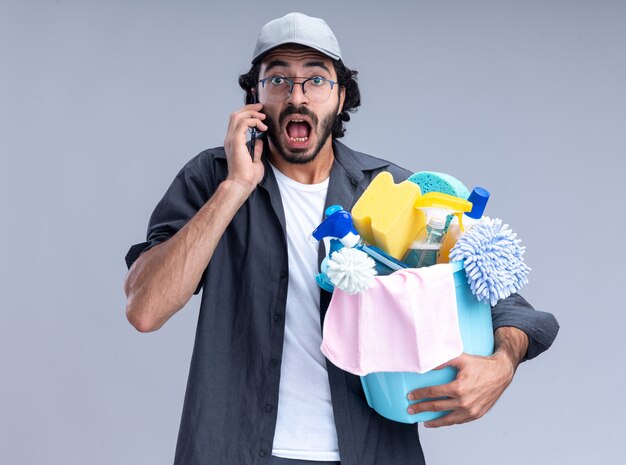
(436, 207)
(339, 228)
(479, 198)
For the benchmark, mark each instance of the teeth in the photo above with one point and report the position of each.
(298, 139)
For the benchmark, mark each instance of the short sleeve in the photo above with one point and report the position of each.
(541, 327)
(185, 196)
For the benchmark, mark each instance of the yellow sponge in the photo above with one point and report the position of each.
(385, 215)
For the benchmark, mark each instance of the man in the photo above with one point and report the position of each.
(236, 225)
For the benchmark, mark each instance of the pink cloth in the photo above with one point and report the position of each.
(407, 321)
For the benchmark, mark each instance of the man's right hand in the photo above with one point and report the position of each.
(165, 277)
(242, 169)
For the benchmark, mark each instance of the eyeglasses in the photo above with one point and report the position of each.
(316, 88)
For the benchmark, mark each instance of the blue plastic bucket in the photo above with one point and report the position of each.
(386, 391)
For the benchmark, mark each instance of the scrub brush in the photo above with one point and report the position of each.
(351, 270)
(492, 259)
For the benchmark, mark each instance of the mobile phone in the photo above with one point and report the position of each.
(253, 132)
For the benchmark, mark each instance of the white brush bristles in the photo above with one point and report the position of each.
(351, 270)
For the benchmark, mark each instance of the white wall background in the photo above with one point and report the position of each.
(102, 102)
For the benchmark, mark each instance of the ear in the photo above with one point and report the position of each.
(342, 98)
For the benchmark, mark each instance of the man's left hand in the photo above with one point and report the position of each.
(479, 383)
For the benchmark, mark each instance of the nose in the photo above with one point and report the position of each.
(297, 95)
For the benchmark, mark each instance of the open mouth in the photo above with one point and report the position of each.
(298, 131)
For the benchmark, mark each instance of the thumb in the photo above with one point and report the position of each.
(258, 150)
(456, 362)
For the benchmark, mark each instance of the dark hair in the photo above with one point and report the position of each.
(346, 78)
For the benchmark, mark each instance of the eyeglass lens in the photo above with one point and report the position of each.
(315, 90)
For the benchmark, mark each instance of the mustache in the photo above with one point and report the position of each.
(301, 110)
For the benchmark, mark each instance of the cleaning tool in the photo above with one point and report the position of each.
(493, 260)
(407, 321)
(436, 204)
(351, 270)
(436, 207)
(339, 228)
(425, 249)
(385, 215)
(479, 198)
(431, 181)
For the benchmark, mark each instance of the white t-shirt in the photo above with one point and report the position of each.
(305, 428)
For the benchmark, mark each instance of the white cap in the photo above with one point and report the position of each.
(297, 28)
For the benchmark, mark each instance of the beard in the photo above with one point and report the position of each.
(300, 156)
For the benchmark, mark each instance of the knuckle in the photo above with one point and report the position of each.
(433, 407)
(480, 413)
(426, 406)
(465, 405)
(473, 413)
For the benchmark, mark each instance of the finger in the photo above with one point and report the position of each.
(247, 110)
(235, 122)
(245, 113)
(253, 105)
(462, 413)
(455, 362)
(250, 114)
(258, 150)
(236, 139)
(443, 421)
(452, 418)
(245, 124)
(431, 392)
(433, 405)
(250, 106)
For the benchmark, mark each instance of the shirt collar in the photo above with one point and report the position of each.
(346, 173)
(355, 163)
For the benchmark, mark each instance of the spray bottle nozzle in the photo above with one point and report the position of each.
(332, 209)
(437, 204)
(338, 225)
